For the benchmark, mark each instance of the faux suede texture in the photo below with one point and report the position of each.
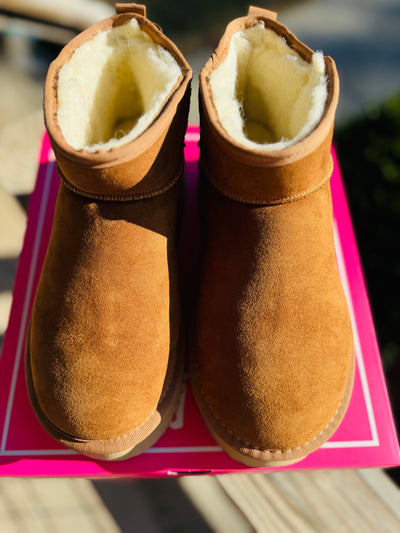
(106, 324)
(284, 183)
(273, 349)
(273, 337)
(106, 316)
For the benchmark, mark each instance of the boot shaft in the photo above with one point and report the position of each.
(120, 77)
(279, 171)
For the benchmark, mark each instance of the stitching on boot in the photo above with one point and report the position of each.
(122, 197)
(100, 441)
(115, 439)
(271, 450)
(273, 201)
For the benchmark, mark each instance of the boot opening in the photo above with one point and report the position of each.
(113, 87)
(267, 97)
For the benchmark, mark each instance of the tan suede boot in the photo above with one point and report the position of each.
(104, 361)
(273, 362)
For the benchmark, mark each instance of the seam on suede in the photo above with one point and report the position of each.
(265, 201)
(124, 197)
(115, 439)
(249, 444)
(70, 437)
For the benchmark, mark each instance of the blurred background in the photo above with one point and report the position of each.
(364, 39)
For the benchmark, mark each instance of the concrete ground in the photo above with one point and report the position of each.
(363, 37)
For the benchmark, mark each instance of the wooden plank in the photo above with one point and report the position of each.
(218, 508)
(328, 500)
(385, 489)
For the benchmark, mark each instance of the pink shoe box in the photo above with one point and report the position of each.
(366, 437)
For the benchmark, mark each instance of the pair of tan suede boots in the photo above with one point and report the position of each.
(271, 350)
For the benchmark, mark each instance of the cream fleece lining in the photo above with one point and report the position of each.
(266, 96)
(113, 87)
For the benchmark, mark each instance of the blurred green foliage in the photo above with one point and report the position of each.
(369, 154)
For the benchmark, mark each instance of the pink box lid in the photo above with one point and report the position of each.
(366, 437)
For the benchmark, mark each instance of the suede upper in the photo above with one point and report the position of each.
(106, 316)
(103, 348)
(273, 350)
(273, 336)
